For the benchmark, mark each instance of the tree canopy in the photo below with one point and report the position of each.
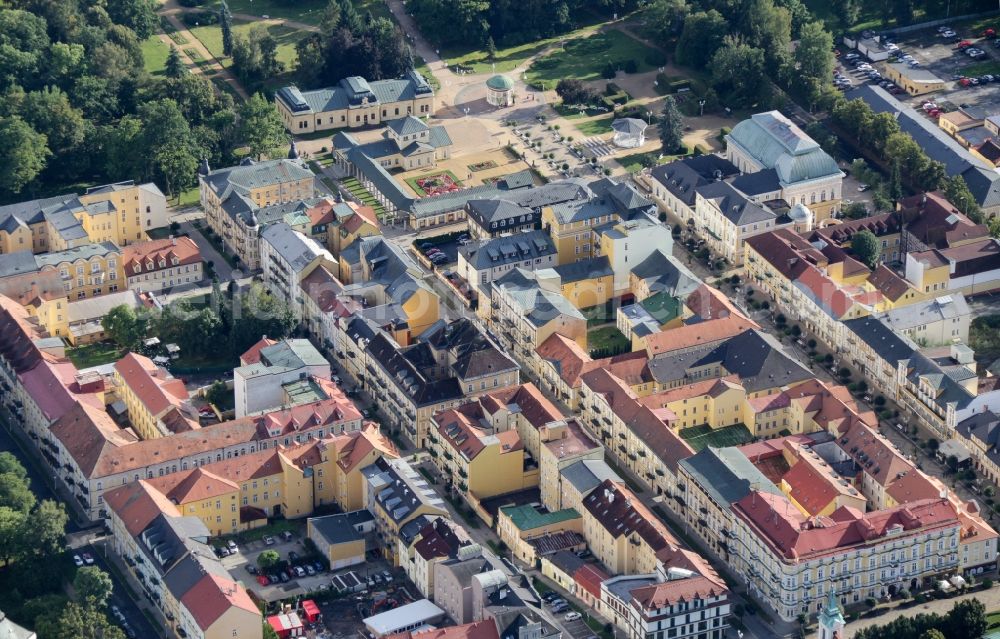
(866, 247)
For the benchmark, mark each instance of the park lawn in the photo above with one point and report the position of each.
(585, 57)
(305, 11)
(509, 58)
(425, 71)
(94, 354)
(698, 437)
(286, 37)
(597, 126)
(607, 340)
(637, 161)
(154, 55)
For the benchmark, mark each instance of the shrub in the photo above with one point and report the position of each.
(609, 71)
(630, 66)
(612, 89)
(200, 18)
(190, 3)
(987, 584)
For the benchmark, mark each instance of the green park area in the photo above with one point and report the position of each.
(97, 354)
(607, 341)
(287, 38)
(305, 11)
(586, 57)
(154, 55)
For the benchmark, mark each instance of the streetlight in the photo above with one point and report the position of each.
(701, 103)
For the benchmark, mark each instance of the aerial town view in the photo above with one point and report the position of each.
(493, 319)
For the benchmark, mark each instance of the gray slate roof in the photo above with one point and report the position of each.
(734, 206)
(499, 251)
(342, 527)
(726, 475)
(682, 177)
(941, 308)
(886, 343)
(352, 91)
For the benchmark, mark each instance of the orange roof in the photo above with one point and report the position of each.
(572, 362)
(354, 447)
(698, 334)
(812, 490)
(252, 356)
(137, 504)
(137, 257)
(195, 485)
(534, 406)
(214, 596)
(689, 391)
(154, 386)
(711, 303)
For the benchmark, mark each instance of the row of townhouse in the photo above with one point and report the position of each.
(168, 553)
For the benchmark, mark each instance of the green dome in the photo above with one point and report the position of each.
(500, 83)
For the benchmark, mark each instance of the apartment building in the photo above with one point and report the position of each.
(168, 553)
(273, 373)
(354, 103)
(483, 261)
(526, 308)
(233, 198)
(158, 403)
(156, 265)
(519, 526)
(288, 257)
(86, 271)
(562, 362)
(434, 540)
(120, 213)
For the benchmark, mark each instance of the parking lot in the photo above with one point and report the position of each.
(449, 248)
(238, 564)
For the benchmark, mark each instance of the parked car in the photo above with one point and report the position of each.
(263, 580)
(116, 612)
(572, 616)
(318, 565)
(310, 570)
(387, 576)
(293, 556)
(77, 560)
(561, 608)
(88, 559)
(233, 548)
(252, 569)
(287, 535)
(269, 540)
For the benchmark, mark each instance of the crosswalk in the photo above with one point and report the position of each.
(596, 147)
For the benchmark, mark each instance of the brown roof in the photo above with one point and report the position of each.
(214, 596)
(534, 406)
(252, 356)
(698, 334)
(137, 504)
(668, 593)
(572, 362)
(620, 512)
(486, 629)
(990, 150)
(154, 386)
(183, 249)
(936, 222)
(194, 485)
(888, 283)
(710, 303)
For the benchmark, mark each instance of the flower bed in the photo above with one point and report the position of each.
(436, 184)
(483, 166)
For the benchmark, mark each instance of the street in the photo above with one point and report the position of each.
(120, 597)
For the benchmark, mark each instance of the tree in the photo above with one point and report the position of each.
(958, 193)
(261, 128)
(932, 633)
(573, 91)
(174, 66)
(124, 327)
(268, 559)
(702, 36)
(814, 55)
(966, 618)
(10, 465)
(665, 17)
(177, 163)
(866, 247)
(855, 211)
(81, 621)
(93, 585)
(491, 49)
(739, 74)
(331, 17)
(50, 113)
(847, 11)
(25, 151)
(671, 126)
(45, 528)
(226, 25)
(137, 15)
(895, 182)
(15, 493)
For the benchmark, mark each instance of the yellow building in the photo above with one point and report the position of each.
(354, 102)
(86, 271)
(121, 213)
(347, 222)
(914, 81)
(517, 525)
(158, 404)
(477, 461)
(342, 538)
(621, 532)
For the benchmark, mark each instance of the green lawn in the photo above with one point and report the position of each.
(509, 58)
(425, 71)
(154, 55)
(597, 126)
(307, 11)
(698, 437)
(94, 354)
(981, 68)
(607, 341)
(984, 338)
(211, 37)
(870, 16)
(585, 57)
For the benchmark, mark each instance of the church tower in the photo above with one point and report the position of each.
(831, 620)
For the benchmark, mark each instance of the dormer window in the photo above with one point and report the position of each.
(175, 261)
(149, 265)
(138, 267)
(163, 263)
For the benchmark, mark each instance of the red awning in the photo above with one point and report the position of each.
(310, 609)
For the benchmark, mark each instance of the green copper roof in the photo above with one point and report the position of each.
(527, 517)
(500, 83)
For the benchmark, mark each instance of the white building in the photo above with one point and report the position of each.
(288, 256)
(258, 383)
(630, 133)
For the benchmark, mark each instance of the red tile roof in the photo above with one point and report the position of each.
(154, 386)
(214, 596)
(195, 485)
(137, 504)
(668, 593)
(590, 577)
(533, 405)
(252, 356)
(891, 285)
(812, 490)
(136, 257)
(571, 361)
(699, 334)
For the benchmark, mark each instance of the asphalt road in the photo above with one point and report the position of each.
(137, 621)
